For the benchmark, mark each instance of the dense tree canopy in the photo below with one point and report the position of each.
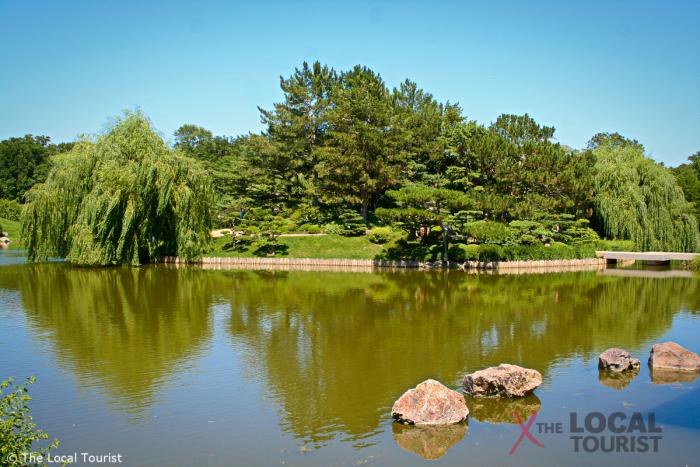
(688, 178)
(25, 162)
(639, 199)
(122, 199)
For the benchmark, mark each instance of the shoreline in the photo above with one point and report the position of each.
(314, 264)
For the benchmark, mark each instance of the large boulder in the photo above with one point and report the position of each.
(504, 380)
(671, 356)
(430, 403)
(617, 360)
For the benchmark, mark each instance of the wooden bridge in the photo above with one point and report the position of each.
(649, 257)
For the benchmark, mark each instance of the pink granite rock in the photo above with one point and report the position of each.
(430, 403)
(504, 380)
(671, 356)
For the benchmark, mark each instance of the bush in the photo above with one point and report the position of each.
(17, 430)
(310, 228)
(380, 235)
(489, 253)
(556, 251)
(488, 232)
(462, 252)
(332, 228)
(10, 209)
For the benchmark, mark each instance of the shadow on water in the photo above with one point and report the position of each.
(335, 350)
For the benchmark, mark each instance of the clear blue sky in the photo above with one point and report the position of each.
(580, 66)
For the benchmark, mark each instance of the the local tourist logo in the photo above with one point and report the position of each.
(616, 432)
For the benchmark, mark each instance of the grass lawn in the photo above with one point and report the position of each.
(326, 246)
(12, 228)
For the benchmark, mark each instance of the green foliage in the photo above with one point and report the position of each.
(688, 178)
(694, 265)
(123, 199)
(310, 228)
(616, 245)
(487, 232)
(18, 432)
(422, 206)
(638, 199)
(556, 251)
(23, 162)
(352, 224)
(461, 252)
(10, 209)
(490, 253)
(380, 235)
(363, 157)
(332, 228)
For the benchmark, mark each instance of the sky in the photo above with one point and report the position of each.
(67, 67)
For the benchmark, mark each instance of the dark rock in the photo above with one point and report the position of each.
(617, 360)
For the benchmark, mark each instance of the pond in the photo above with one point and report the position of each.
(185, 366)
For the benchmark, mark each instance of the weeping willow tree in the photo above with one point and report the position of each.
(638, 199)
(124, 198)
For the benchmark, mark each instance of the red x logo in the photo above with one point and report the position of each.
(526, 431)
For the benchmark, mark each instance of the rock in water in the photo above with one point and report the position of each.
(671, 356)
(617, 360)
(430, 403)
(504, 380)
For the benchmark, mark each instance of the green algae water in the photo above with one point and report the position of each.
(184, 366)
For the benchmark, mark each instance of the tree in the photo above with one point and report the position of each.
(200, 143)
(122, 199)
(23, 162)
(688, 178)
(298, 126)
(362, 158)
(514, 170)
(638, 199)
(422, 125)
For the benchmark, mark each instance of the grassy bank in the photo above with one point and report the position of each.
(325, 247)
(13, 229)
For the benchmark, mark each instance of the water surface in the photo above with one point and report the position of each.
(183, 366)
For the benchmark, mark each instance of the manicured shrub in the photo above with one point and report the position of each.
(489, 253)
(462, 252)
(488, 232)
(352, 223)
(380, 235)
